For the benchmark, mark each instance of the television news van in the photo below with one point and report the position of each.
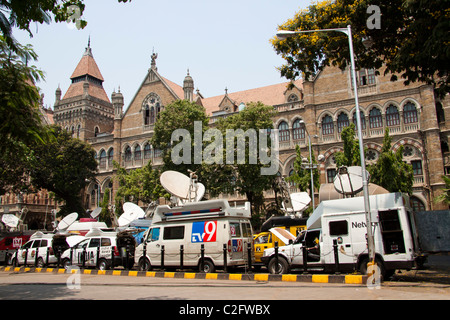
(211, 223)
(344, 220)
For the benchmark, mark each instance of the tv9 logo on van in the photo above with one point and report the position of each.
(204, 231)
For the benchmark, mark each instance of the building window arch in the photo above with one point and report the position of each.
(137, 153)
(342, 121)
(362, 118)
(147, 151)
(128, 154)
(327, 125)
(110, 157)
(292, 97)
(298, 129)
(96, 131)
(283, 129)
(375, 118)
(102, 162)
(392, 116)
(410, 113)
(151, 107)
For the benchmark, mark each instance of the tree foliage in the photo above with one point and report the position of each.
(412, 39)
(141, 184)
(444, 197)
(245, 178)
(351, 155)
(390, 172)
(181, 114)
(301, 176)
(64, 166)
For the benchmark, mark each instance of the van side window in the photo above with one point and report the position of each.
(36, 244)
(235, 229)
(95, 242)
(154, 235)
(106, 242)
(27, 245)
(173, 233)
(246, 229)
(43, 243)
(338, 228)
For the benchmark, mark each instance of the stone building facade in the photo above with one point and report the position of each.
(319, 107)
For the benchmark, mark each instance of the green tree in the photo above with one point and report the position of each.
(444, 197)
(411, 40)
(390, 172)
(104, 204)
(181, 114)
(351, 155)
(64, 166)
(245, 178)
(141, 184)
(302, 177)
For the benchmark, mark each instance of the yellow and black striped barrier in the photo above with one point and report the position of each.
(314, 278)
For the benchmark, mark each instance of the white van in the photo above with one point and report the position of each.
(99, 248)
(211, 223)
(344, 220)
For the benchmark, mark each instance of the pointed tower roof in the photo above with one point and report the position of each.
(87, 66)
(87, 72)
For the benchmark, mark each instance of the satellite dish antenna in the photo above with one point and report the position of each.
(131, 212)
(348, 180)
(67, 221)
(10, 220)
(300, 200)
(96, 213)
(200, 191)
(176, 183)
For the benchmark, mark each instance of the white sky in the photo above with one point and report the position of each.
(223, 43)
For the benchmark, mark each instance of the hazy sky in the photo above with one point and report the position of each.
(223, 43)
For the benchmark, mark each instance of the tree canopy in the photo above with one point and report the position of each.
(64, 166)
(411, 41)
(390, 172)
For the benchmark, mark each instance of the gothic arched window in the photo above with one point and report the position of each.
(298, 130)
(410, 113)
(151, 108)
(283, 131)
(327, 125)
(375, 119)
(392, 116)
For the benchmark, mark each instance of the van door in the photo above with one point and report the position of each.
(154, 246)
(173, 237)
(339, 230)
(237, 245)
(91, 252)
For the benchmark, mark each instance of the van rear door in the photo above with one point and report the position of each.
(339, 230)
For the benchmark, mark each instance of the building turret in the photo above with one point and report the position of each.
(188, 87)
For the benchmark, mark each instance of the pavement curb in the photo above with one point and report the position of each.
(312, 278)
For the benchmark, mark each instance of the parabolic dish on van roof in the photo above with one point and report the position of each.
(67, 221)
(349, 180)
(300, 200)
(200, 191)
(131, 212)
(176, 183)
(96, 213)
(10, 220)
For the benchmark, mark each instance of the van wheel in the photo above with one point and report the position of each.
(103, 265)
(283, 266)
(40, 263)
(380, 265)
(207, 267)
(144, 264)
(66, 264)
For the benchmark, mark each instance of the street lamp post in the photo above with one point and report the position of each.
(311, 166)
(283, 34)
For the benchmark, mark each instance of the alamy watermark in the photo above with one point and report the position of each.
(257, 148)
(374, 20)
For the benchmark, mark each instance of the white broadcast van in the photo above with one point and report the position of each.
(211, 223)
(344, 220)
